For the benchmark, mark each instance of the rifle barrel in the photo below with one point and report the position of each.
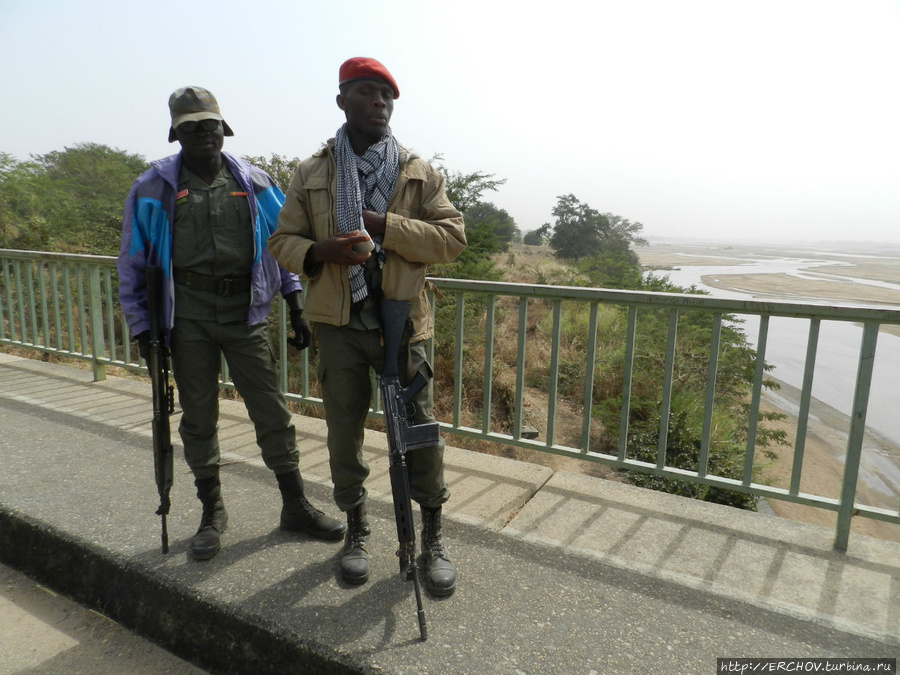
(420, 611)
(163, 399)
(165, 535)
(401, 438)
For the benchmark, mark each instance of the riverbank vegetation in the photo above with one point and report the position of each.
(586, 248)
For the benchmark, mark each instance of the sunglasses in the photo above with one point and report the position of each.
(202, 125)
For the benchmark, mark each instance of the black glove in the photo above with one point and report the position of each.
(302, 332)
(143, 340)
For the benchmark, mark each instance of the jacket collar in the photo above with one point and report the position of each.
(169, 167)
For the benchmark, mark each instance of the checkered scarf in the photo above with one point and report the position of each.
(365, 182)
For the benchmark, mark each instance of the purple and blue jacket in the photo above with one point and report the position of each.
(147, 226)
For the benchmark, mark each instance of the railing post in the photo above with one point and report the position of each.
(857, 432)
(31, 300)
(488, 382)
(665, 406)
(709, 402)
(627, 371)
(458, 357)
(589, 366)
(6, 315)
(809, 370)
(520, 368)
(20, 298)
(98, 340)
(758, 377)
(554, 373)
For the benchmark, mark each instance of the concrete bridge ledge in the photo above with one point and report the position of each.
(559, 572)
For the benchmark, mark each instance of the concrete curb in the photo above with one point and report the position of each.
(216, 637)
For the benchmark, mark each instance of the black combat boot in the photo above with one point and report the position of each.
(298, 515)
(214, 521)
(354, 557)
(440, 573)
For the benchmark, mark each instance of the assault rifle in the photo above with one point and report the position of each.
(163, 399)
(402, 437)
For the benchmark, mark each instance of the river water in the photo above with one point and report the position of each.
(837, 357)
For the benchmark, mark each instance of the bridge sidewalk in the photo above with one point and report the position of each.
(559, 573)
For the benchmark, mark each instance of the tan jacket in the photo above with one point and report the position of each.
(423, 228)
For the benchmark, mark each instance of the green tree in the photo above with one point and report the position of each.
(535, 237)
(580, 231)
(279, 167)
(19, 203)
(611, 269)
(465, 190)
(69, 200)
(577, 230)
(623, 229)
(499, 225)
(487, 227)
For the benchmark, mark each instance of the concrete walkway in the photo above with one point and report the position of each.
(559, 573)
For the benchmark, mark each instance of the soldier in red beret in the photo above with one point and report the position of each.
(362, 220)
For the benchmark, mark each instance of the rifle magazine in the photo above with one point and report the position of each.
(422, 435)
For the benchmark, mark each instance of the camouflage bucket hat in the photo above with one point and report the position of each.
(192, 104)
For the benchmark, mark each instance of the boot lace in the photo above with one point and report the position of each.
(308, 508)
(357, 530)
(432, 538)
(211, 516)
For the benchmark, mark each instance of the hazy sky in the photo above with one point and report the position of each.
(771, 119)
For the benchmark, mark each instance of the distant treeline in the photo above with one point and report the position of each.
(71, 200)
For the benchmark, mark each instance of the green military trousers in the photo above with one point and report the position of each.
(197, 347)
(345, 356)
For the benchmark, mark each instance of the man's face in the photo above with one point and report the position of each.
(368, 105)
(201, 140)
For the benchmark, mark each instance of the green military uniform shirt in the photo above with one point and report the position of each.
(213, 236)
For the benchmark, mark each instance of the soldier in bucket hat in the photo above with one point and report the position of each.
(203, 216)
(194, 104)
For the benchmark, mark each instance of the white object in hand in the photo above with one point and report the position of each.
(364, 246)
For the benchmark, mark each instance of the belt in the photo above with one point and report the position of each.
(223, 286)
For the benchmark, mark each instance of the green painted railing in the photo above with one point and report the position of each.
(66, 305)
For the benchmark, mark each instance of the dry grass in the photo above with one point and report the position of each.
(523, 265)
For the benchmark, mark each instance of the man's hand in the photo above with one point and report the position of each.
(339, 249)
(302, 332)
(143, 340)
(376, 223)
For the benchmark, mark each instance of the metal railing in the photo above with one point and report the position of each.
(66, 305)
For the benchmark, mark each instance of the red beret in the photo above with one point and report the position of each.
(361, 67)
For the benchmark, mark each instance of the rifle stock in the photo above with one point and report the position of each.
(163, 400)
(402, 437)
